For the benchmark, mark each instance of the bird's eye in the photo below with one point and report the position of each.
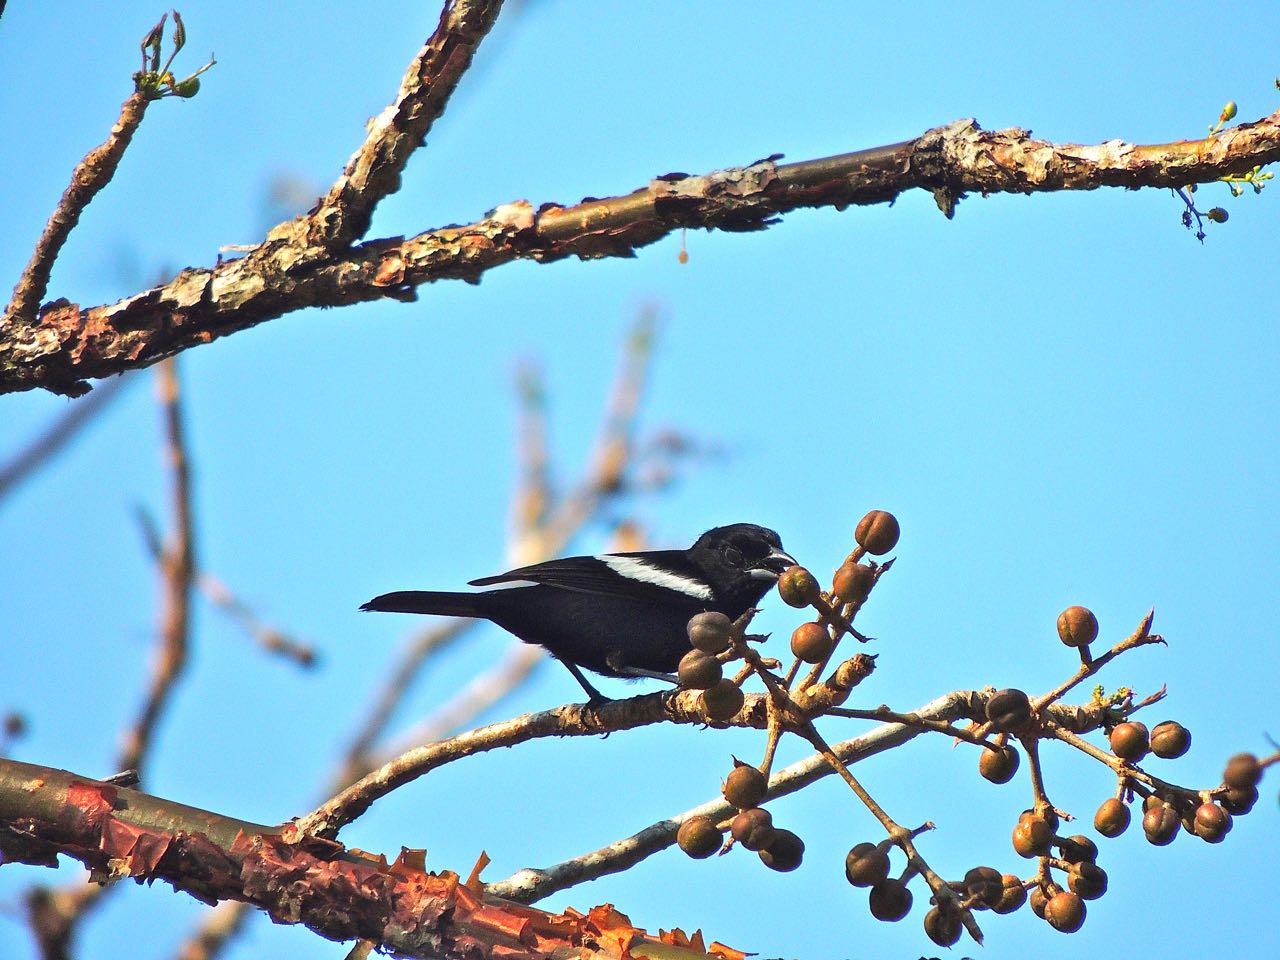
(734, 556)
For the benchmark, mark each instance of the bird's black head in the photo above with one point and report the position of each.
(749, 556)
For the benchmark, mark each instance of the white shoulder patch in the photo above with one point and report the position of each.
(637, 569)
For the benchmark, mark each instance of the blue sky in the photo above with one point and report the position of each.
(1065, 399)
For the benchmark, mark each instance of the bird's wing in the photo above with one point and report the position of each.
(653, 575)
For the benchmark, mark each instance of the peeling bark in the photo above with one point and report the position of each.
(69, 345)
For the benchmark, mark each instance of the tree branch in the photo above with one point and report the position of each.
(90, 175)
(69, 345)
(374, 171)
(335, 892)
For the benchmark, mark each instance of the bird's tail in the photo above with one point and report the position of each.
(427, 601)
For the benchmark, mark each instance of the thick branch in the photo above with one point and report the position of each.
(374, 171)
(70, 345)
(336, 893)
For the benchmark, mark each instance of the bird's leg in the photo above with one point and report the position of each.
(594, 696)
(640, 672)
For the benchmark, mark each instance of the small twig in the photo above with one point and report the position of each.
(1040, 797)
(55, 916)
(530, 885)
(883, 714)
(219, 594)
(219, 926)
(63, 910)
(269, 638)
(613, 450)
(58, 434)
(421, 648)
(1122, 769)
(1140, 637)
(533, 494)
(567, 721)
(90, 175)
(479, 695)
(373, 172)
(902, 837)
(177, 576)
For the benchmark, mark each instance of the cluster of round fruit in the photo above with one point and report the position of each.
(1205, 814)
(752, 827)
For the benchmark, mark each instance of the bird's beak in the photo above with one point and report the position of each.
(771, 566)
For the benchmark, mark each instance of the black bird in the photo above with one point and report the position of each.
(619, 614)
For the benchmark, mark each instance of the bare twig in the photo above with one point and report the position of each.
(533, 491)
(885, 715)
(71, 344)
(422, 647)
(530, 885)
(571, 720)
(221, 924)
(612, 456)
(1141, 636)
(901, 836)
(58, 434)
(269, 638)
(373, 172)
(90, 175)
(177, 577)
(480, 694)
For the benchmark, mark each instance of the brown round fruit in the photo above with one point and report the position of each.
(1000, 765)
(710, 632)
(1160, 824)
(985, 884)
(866, 865)
(1031, 837)
(745, 787)
(811, 642)
(853, 581)
(753, 828)
(1130, 741)
(1243, 771)
(1239, 802)
(1087, 880)
(784, 853)
(877, 532)
(1014, 894)
(1008, 709)
(699, 670)
(890, 900)
(1039, 900)
(1112, 818)
(1065, 912)
(1048, 815)
(1077, 626)
(798, 587)
(1212, 823)
(698, 837)
(942, 926)
(1170, 740)
(1078, 849)
(723, 701)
